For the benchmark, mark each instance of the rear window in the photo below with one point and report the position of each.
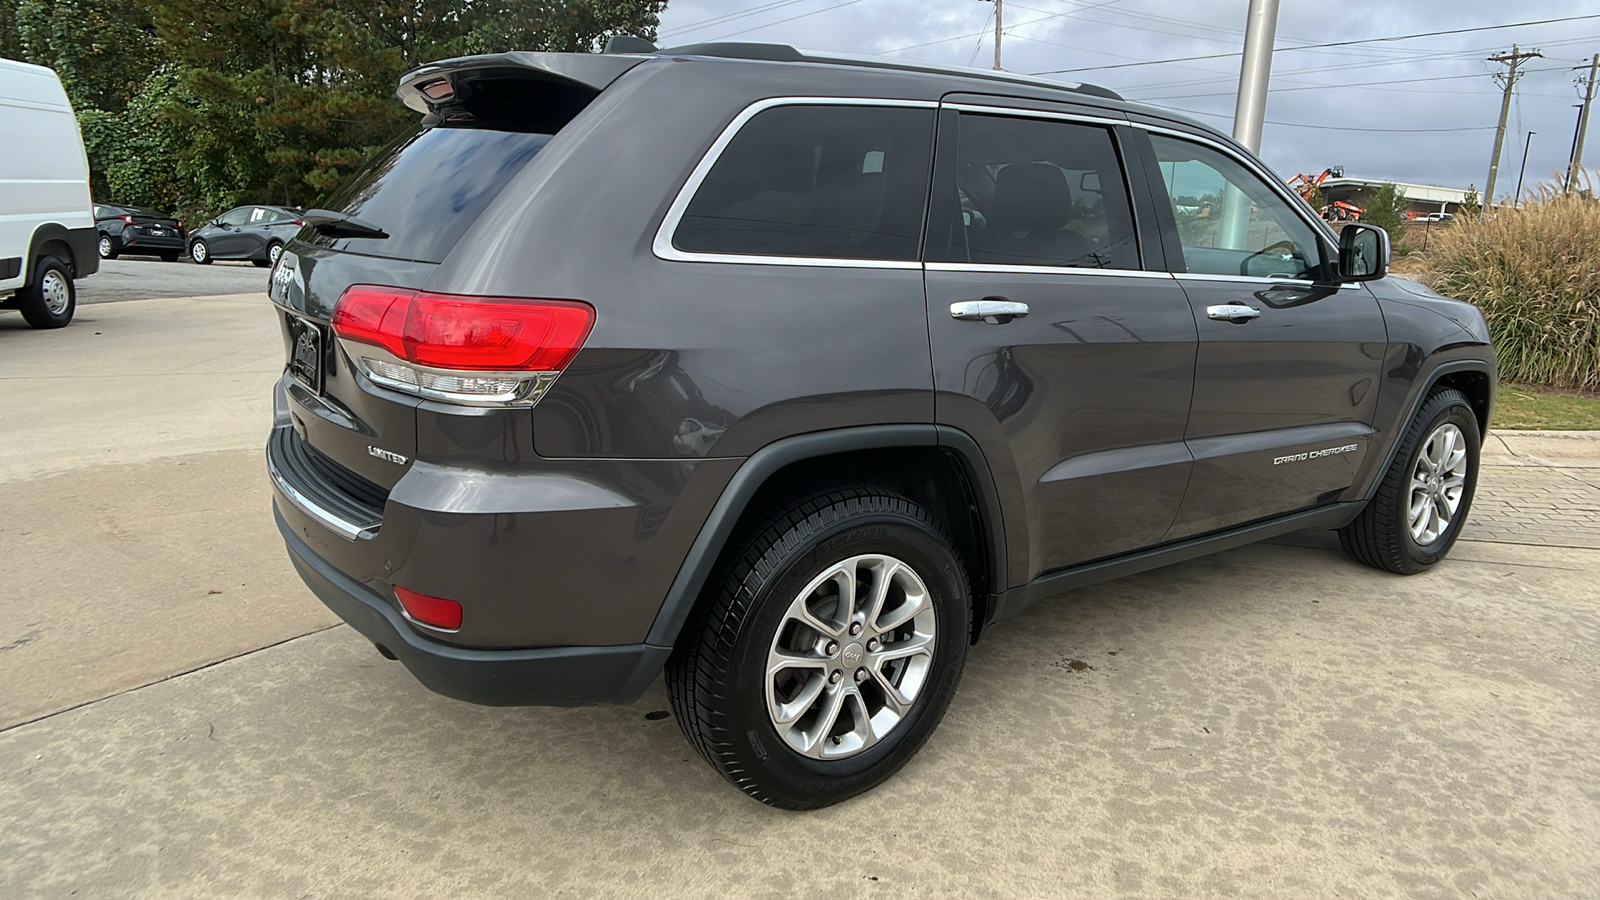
(829, 182)
(427, 188)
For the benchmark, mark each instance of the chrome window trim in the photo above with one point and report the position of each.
(662, 246)
(1033, 113)
(1260, 171)
(1244, 279)
(1003, 269)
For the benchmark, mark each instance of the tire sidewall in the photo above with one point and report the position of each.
(106, 247)
(758, 744)
(204, 255)
(34, 309)
(1459, 414)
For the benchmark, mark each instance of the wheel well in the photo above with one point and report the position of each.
(933, 477)
(61, 251)
(1475, 385)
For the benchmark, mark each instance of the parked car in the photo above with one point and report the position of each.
(128, 229)
(256, 233)
(794, 375)
(46, 230)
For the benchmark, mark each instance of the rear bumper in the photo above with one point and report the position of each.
(546, 676)
(148, 244)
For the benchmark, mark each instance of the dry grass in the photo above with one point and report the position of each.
(1535, 273)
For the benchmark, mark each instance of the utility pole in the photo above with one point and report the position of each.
(998, 9)
(1524, 170)
(1576, 164)
(1260, 31)
(1513, 59)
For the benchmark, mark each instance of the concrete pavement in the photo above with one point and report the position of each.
(145, 277)
(1273, 721)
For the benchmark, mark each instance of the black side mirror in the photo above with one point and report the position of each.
(1363, 252)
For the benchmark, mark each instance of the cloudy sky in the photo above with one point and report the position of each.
(1417, 110)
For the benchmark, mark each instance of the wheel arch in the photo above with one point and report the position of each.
(1474, 378)
(937, 466)
(53, 240)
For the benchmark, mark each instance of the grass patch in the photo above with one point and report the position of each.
(1522, 408)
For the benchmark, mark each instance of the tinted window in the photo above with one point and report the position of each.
(1229, 221)
(427, 189)
(235, 216)
(834, 182)
(1038, 192)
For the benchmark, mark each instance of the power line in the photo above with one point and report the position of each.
(1397, 37)
(1324, 87)
(1193, 112)
(728, 17)
(790, 19)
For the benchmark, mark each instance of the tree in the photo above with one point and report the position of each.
(1315, 199)
(1471, 205)
(1387, 210)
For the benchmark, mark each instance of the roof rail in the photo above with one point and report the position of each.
(786, 53)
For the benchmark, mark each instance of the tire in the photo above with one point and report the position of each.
(107, 247)
(170, 255)
(51, 298)
(200, 252)
(260, 263)
(751, 611)
(1386, 534)
(274, 250)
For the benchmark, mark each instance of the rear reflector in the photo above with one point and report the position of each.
(436, 612)
(482, 350)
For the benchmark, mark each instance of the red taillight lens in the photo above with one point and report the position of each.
(127, 220)
(435, 611)
(484, 334)
(298, 222)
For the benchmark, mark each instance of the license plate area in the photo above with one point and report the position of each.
(305, 352)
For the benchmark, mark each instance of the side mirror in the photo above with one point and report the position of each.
(1363, 252)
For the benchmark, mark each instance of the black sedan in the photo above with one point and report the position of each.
(256, 233)
(128, 229)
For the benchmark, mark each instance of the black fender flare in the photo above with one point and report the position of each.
(80, 244)
(764, 463)
(1425, 386)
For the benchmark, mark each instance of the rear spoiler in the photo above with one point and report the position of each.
(435, 88)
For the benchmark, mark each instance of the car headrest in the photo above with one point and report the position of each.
(1032, 197)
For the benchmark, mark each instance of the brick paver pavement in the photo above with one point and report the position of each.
(1525, 498)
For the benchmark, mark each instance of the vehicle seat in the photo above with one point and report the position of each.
(1032, 203)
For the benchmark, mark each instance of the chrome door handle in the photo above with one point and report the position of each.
(994, 310)
(1232, 312)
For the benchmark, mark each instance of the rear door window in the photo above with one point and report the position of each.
(1038, 192)
(824, 182)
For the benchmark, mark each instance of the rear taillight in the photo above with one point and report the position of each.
(435, 612)
(127, 220)
(479, 351)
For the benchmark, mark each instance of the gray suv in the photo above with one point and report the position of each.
(791, 375)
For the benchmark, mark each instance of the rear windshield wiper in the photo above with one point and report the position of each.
(335, 224)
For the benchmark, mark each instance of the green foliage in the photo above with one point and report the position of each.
(1315, 199)
(196, 107)
(1535, 273)
(1471, 205)
(1387, 210)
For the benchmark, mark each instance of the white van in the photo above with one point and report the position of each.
(47, 236)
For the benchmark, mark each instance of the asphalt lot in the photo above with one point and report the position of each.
(179, 717)
(144, 277)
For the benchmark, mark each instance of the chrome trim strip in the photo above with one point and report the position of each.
(1247, 279)
(1034, 113)
(348, 530)
(1000, 269)
(662, 246)
(531, 385)
(418, 623)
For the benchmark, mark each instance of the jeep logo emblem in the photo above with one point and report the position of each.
(853, 654)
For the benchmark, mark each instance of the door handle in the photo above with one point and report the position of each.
(994, 310)
(1237, 313)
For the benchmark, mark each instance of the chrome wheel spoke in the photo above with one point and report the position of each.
(787, 713)
(1438, 483)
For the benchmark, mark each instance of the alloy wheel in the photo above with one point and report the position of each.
(850, 657)
(1438, 482)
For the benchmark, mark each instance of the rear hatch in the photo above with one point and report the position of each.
(484, 118)
(149, 223)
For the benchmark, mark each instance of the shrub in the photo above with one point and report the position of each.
(1535, 273)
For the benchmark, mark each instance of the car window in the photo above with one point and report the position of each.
(1229, 221)
(831, 182)
(235, 216)
(260, 214)
(1039, 192)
